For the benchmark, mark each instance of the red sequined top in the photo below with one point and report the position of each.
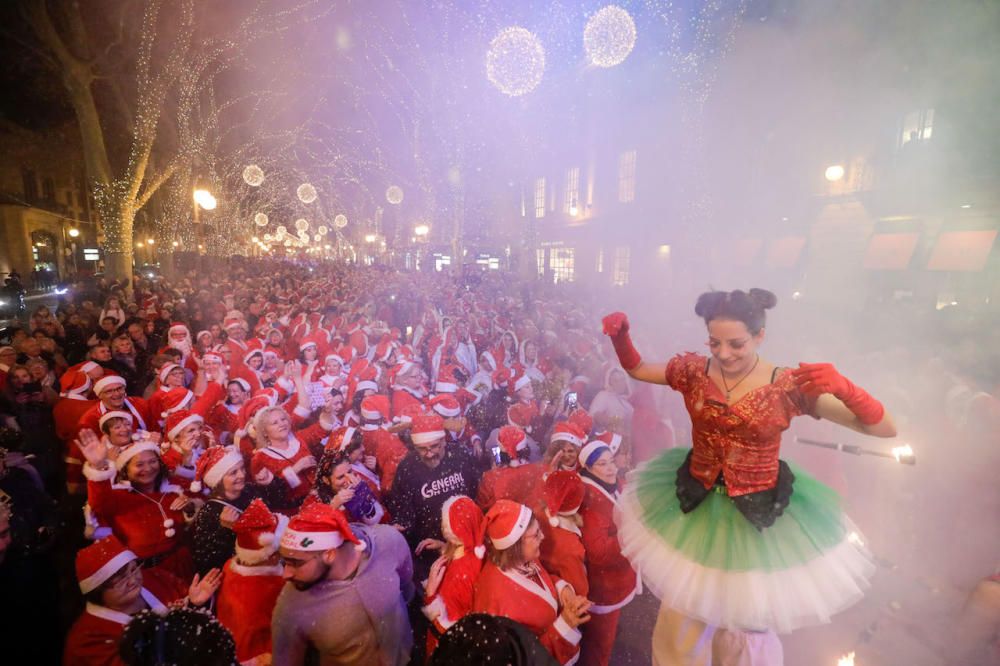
(740, 440)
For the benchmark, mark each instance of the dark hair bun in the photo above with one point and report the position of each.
(709, 302)
(763, 298)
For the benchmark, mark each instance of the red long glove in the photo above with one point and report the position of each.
(817, 378)
(616, 327)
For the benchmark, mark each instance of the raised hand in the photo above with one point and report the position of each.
(342, 497)
(202, 589)
(229, 515)
(615, 324)
(435, 576)
(429, 544)
(576, 611)
(303, 463)
(93, 448)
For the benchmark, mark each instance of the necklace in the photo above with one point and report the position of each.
(729, 389)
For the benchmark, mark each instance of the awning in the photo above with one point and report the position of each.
(890, 252)
(961, 250)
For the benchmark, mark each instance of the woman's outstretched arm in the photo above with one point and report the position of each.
(841, 401)
(616, 327)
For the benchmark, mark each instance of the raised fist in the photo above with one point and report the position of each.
(615, 324)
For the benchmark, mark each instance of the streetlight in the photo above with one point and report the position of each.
(73, 233)
(205, 199)
(421, 230)
(369, 238)
(834, 172)
(150, 241)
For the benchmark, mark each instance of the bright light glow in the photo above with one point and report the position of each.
(254, 240)
(73, 233)
(323, 230)
(306, 193)
(175, 244)
(834, 172)
(301, 224)
(253, 175)
(260, 219)
(515, 61)
(847, 660)
(394, 195)
(796, 295)
(855, 538)
(60, 292)
(205, 199)
(421, 230)
(150, 241)
(904, 451)
(369, 238)
(340, 221)
(966, 206)
(573, 210)
(139, 244)
(664, 250)
(609, 36)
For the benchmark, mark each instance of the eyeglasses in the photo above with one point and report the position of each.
(430, 448)
(294, 563)
(124, 575)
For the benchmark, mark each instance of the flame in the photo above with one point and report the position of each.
(902, 451)
(847, 660)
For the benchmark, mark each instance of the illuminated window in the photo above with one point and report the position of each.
(600, 260)
(917, 125)
(619, 271)
(540, 258)
(540, 198)
(571, 203)
(626, 177)
(561, 264)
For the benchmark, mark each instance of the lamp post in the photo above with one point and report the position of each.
(74, 233)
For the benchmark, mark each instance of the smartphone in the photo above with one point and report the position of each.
(496, 455)
(572, 401)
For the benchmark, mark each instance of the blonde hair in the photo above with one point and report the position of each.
(259, 434)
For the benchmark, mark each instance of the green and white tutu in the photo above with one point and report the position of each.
(714, 565)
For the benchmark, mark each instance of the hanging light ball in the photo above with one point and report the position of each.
(253, 175)
(317, 237)
(267, 237)
(394, 195)
(281, 230)
(260, 219)
(323, 230)
(301, 224)
(340, 221)
(515, 61)
(609, 36)
(288, 242)
(306, 193)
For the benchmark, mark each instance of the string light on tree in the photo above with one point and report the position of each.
(253, 175)
(323, 230)
(306, 193)
(340, 221)
(609, 36)
(515, 61)
(260, 219)
(301, 224)
(394, 195)
(317, 238)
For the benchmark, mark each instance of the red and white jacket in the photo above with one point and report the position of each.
(279, 462)
(245, 604)
(613, 581)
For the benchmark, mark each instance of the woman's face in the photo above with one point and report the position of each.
(733, 347)
(276, 426)
(189, 436)
(143, 468)
(122, 589)
(119, 432)
(310, 354)
(37, 371)
(20, 377)
(256, 362)
(570, 456)
(342, 477)
(604, 468)
(175, 378)
(235, 480)
(530, 351)
(123, 346)
(531, 542)
(274, 338)
(333, 367)
(42, 313)
(236, 394)
(508, 341)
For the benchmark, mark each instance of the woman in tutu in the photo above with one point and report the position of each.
(725, 533)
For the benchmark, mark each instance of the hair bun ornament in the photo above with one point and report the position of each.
(709, 302)
(763, 298)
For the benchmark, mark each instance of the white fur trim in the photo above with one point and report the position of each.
(99, 475)
(520, 527)
(293, 479)
(448, 413)
(311, 541)
(426, 437)
(179, 406)
(107, 570)
(253, 556)
(215, 473)
(133, 450)
(589, 449)
(522, 382)
(108, 382)
(185, 422)
(365, 385)
(301, 412)
(115, 414)
(445, 387)
(369, 414)
(570, 634)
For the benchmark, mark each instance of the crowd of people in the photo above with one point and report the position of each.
(352, 462)
(285, 463)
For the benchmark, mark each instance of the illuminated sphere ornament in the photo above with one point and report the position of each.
(340, 221)
(260, 219)
(515, 61)
(301, 224)
(394, 195)
(609, 36)
(306, 193)
(267, 237)
(288, 243)
(253, 175)
(281, 230)
(323, 230)
(317, 238)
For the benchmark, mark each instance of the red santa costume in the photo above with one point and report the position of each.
(93, 638)
(74, 402)
(224, 418)
(138, 407)
(525, 594)
(403, 396)
(179, 338)
(613, 581)
(562, 550)
(271, 461)
(461, 524)
(144, 522)
(387, 448)
(251, 582)
(181, 466)
(518, 481)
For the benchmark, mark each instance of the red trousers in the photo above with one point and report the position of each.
(598, 638)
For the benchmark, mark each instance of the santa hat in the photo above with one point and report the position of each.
(446, 405)
(581, 419)
(446, 379)
(203, 334)
(333, 356)
(134, 449)
(109, 381)
(408, 413)
(244, 384)
(176, 399)
(99, 561)
(309, 341)
(563, 495)
(250, 408)
(346, 354)
(427, 428)
(232, 322)
(212, 465)
(506, 522)
(591, 452)
(178, 327)
(214, 357)
(384, 348)
(366, 385)
(258, 533)
(166, 370)
(462, 521)
(319, 527)
(565, 431)
(612, 439)
(340, 438)
(522, 381)
(488, 356)
(375, 407)
(521, 415)
(114, 414)
(501, 377)
(179, 420)
(75, 381)
(512, 439)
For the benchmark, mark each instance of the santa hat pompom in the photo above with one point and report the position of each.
(480, 551)
(553, 521)
(266, 539)
(195, 486)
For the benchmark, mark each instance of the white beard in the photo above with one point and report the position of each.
(184, 347)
